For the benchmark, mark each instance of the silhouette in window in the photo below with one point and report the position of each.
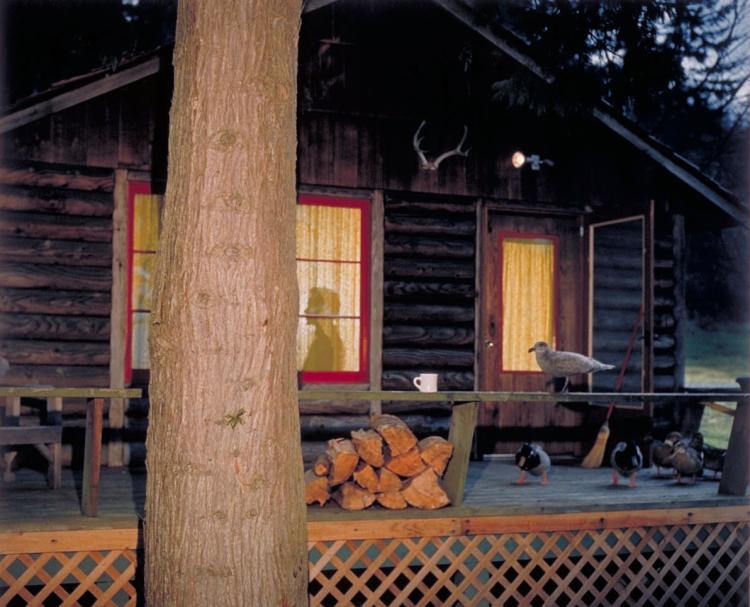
(326, 351)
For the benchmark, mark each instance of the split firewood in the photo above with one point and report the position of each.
(351, 496)
(343, 458)
(322, 465)
(395, 432)
(366, 477)
(435, 451)
(316, 488)
(407, 464)
(425, 491)
(369, 446)
(388, 481)
(393, 500)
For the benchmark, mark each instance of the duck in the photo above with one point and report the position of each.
(565, 364)
(661, 451)
(626, 460)
(713, 457)
(686, 460)
(533, 459)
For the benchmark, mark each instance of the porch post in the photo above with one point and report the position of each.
(734, 476)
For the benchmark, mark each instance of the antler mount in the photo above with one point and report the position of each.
(432, 165)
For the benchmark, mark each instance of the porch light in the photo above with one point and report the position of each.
(535, 161)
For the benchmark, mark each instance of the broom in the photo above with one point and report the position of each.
(596, 455)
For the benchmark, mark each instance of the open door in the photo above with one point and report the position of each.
(533, 289)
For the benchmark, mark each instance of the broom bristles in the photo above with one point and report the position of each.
(596, 455)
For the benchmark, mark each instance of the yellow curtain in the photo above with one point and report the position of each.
(527, 300)
(329, 274)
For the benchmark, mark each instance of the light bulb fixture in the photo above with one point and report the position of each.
(535, 161)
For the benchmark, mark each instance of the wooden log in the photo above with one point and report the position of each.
(422, 268)
(401, 379)
(430, 207)
(618, 299)
(431, 290)
(435, 451)
(62, 227)
(365, 477)
(429, 224)
(392, 500)
(663, 342)
(623, 259)
(343, 460)
(424, 491)
(433, 409)
(335, 426)
(32, 301)
(29, 435)
(406, 464)
(322, 465)
(334, 407)
(71, 377)
(56, 177)
(395, 335)
(35, 276)
(396, 433)
(426, 313)
(33, 326)
(438, 357)
(316, 489)
(388, 481)
(369, 446)
(31, 352)
(396, 244)
(59, 252)
(625, 281)
(351, 496)
(65, 202)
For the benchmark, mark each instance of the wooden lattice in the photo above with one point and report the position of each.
(703, 564)
(68, 578)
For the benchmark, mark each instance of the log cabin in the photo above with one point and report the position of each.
(438, 230)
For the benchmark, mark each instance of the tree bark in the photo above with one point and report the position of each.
(225, 506)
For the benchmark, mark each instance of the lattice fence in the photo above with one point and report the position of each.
(68, 578)
(703, 564)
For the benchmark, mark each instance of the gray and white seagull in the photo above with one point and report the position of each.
(565, 364)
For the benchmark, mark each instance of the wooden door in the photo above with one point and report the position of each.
(503, 427)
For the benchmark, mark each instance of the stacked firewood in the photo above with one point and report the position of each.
(384, 464)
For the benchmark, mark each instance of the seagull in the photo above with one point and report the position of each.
(565, 364)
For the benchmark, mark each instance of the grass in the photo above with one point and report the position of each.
(714, 358)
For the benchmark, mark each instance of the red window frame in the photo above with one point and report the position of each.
(134, 188)
(363, 373)
(555, 287)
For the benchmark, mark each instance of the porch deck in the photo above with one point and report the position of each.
(27, 504)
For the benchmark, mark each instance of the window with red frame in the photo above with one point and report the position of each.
(144, 225)
(333, 271)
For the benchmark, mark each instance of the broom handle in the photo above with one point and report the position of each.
(628, 353)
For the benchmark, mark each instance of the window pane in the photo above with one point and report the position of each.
(139, 346)
(143, 280)
(527, 299)
(325, 232)
(328, 345)
(146, 222)
(329, 289)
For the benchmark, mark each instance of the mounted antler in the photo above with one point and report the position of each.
(432, 165)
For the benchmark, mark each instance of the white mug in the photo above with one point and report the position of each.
(426, 382)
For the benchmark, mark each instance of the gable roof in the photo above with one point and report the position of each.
(89, 86)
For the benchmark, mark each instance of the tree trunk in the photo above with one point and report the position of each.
(225, 507)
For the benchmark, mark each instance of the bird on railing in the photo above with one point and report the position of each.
(686, 460)
(565, 364)
(626, 460)
(533, 459)
(661, 451)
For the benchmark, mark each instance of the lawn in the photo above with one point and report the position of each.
(714, 358)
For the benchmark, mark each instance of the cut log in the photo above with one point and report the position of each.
(395, 432)
(407, 464)
(366, 477)
(353, 497)
(322, 465)
(343, 460)
(316, 488)
(424, 491)
(388, 481)
(393, 500)
(369, 446)
(435, 451)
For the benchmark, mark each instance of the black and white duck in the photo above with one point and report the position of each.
(533, 459)
(626, 460)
